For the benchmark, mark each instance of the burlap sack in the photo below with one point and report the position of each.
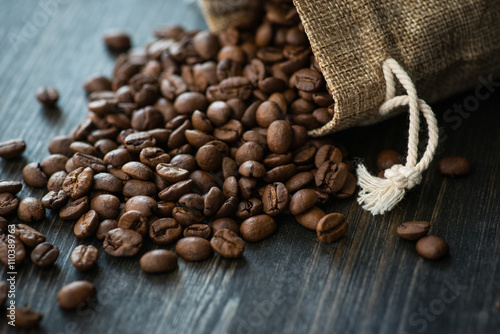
(443, 45)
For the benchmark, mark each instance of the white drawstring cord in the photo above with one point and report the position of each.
(379, 195)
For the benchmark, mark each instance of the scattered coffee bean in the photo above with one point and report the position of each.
(47, 96)
(76, 294)
(193, 249)
(8, 204)
(331, 227)
(30, 209)
(34, 176)
(12, 187)
(198, 230)
(310, 218)
(12, 149)
(454, 166)
(28, 235)
(84, 257)
(122, 243)
(258, 228)
(26, 318)
(432, 247)
(158, 261)
(6, 248)
(117, 40)
(227, 244)
(413, 230)
(44, 255)
(86, 225)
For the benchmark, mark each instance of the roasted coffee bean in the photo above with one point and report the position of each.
(348, 188)
(78, 182)
(267, 113)
(86, 225)
(12, 187)
(249, 151)
(331, 177)
(280, 174)
(225, 224)
(117, 157)
(193, 249)
(4, 291)
(213, 201)
(279, 136)
(47, 96)
(302, 201)
(4, 226)
(76, 294)
(12, 149)
(432, 247)
(138, 170)
(84, 257)
(275, 160)
(413, 230)
(26, 318)
(227, 244)
(249, 208)
(230, 187)
(228, 208)
(55, 200)
(153, 156)
(106, 182)
(30, 209)
(122, 243)
(299, 181)
(275, 199)
(388, 158)
(134, 220)
(34, 176)
(144, 204)
(97, 83)
(246, 187)
(187, 216)
(187, 103)
(454, 166)
(8, 204)
(74, 210)
(56, 181)
(117, 40)
(310, 218)
(327, 153)
(258, 228)
(44, 255)
(85, 160)
(171, 173)
(193, 201)
(104, 227)
(165, 230)
(158, 261)
(106, 206)
(198, 230)
(331, 227)
(209, 158)
(175, 191)
(53, 163)
(138, 141)
(137, 188)
(84, 148)
(308, 80)
(305, 156)
(6, 251)
(60, 145)
(252, 168)
(28, 235)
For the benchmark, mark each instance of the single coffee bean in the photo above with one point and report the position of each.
(104, 227)
(198, 230)
(12, 149)
(44, 255)
(82, 147)
(299, 181)
(117, 40)
(134, 220)
(432, 247)
(8, 204)
(193, 201)
(12, 187)
(47, 96)
(175, 191)
(280, 174)
(85, 160)
(26, 318)
(258, 228)
(144, 204)
(106, 206)
(302, 201)
(454, 166)
(53, 163)
(84, 257)
(331, 227)
(78, 183)
(252, 168)
(158, 261)
(6, 250)
(388, 158)
(122, 243)
(275, 198)
(97, 83)
(86, 225)
(227, 244)
(165, 230)
(30, 209)
(279, 136)
(209, 158)
(74, 210)
(310, 218)
(137, 170)
(249, 208)
(34, 176)
(55, 200)
(413, 230)
(213, 201)
(187, 216)
(225, 224)
(193, 249)
(76, 294)
(171, 173)
(327, 153)
(28, 235)
(348, 188)
(331, 177)
(60, 145)
(56, 181)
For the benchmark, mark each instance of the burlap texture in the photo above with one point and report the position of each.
(443, 45)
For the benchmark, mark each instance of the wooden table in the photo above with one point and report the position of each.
(369, 282)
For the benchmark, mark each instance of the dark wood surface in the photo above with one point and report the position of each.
(370, 281)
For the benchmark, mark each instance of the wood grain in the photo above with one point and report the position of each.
(369, 282)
